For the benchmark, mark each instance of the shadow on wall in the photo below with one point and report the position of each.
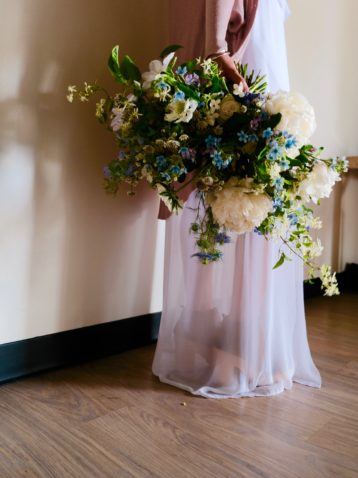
(74, 256)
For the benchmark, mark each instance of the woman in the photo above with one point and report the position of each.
(236, 327)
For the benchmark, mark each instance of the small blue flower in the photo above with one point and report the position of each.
(278, 183)
(249, 97)
(290, 142)
(257, 231)
(277, 202)
(242, 136)
(252, 138)
(218, 161)
(222, 238)
(166, 176)
(267, 133)
(275, 151)
(293, 218)
(206, 257)
(175, 170)
(179, 95)
(130, 170)
(181, 70)
(163, 86)
(284, 164)
(212, 141)
(161, 161)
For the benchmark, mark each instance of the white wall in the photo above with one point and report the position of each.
(322, 41)
(70, 255)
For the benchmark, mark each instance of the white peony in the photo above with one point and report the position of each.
(298, 116)
(318, 183)
(181, 110)
(228, 107)
(156, 67)
(239, 207)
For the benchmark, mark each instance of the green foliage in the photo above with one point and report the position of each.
(129, 69)
(169, 49)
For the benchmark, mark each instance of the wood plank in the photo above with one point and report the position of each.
(113, 418)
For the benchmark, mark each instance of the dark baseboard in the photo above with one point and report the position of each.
(25, 357)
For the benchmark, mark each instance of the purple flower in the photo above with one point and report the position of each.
(106, 172)
(130, 170)
(192, 79)
(121, 154)
(254, 123)
(222, 238)
(206, 257)
(185, 152)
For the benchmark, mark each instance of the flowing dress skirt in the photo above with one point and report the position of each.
(236, 327)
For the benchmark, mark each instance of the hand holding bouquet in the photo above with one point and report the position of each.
(247, 153)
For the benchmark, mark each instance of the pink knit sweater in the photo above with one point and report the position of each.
(204, 27)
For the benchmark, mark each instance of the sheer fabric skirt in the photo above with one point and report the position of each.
(232, 328)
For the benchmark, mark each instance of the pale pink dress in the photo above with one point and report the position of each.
(235, 328)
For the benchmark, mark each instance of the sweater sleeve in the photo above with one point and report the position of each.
(217, 18)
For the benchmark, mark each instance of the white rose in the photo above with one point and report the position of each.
(318, 183)
(239, 207)
(228, 107)
(298, 116)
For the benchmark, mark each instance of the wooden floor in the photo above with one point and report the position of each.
(112, 418)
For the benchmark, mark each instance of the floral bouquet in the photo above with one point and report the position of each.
(247, 153)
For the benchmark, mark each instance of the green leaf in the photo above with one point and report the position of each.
(169, 49)
(129, 69)
(280, 261)
(217, 85)
(274, 120)
(113, 65)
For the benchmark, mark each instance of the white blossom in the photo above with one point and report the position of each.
(318, 183)
(239, 207)
(181, 110)
(117, 120)
(298, 116)
(228, 107)
(156, 68)
(238, 90)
